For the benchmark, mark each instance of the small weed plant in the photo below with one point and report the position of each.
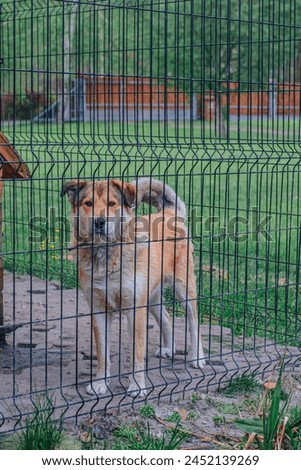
(146, 440)
(41, 431)
(246, 383)
(276, 427)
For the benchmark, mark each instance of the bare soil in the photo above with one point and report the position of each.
(52, 350)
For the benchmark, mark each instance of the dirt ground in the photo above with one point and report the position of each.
(52, 350)
(207, 418)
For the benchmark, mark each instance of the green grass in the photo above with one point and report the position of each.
(254, 286)
(126, 432)
(174, 417)
(278, 427)
(219, 420)
(41, 431)
(132, 437)
(247, 383)
(147, 411)
(147, 440)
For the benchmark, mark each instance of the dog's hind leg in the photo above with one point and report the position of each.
(137, 318)
(164, 321)
(187, 296)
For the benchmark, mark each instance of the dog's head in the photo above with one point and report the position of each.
(100, 209)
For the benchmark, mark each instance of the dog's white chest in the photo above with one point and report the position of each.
(110, 291)
(119, 292)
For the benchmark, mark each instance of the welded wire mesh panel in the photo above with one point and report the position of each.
(155, 248)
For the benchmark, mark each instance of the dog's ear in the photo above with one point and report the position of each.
(127, 191)
(73, 189)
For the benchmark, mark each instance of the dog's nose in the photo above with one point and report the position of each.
(99, 225)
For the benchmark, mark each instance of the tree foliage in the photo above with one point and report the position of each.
(199, 44)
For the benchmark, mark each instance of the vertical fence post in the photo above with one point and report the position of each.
(2, 335)
(272, 99)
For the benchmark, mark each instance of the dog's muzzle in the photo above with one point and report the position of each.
(99, 225)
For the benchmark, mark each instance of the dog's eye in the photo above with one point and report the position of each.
(112, 203)
(89, 203)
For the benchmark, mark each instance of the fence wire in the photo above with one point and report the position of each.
(155, 248)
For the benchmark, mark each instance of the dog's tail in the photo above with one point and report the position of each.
(159, 195)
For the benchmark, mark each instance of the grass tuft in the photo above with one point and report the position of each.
(275, 427)
(146, 440)
(41, 431)
(246, 383)
(147, 411)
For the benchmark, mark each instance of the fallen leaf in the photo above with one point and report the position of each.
(183, 413)
(270, 385)
(85, 437)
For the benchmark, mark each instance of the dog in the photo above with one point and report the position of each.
(124, 263)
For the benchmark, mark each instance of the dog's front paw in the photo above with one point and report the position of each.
(164, 352)
(197, 363)
(137, 390)
(98, 387)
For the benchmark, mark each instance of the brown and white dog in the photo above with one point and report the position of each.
(125, 261)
